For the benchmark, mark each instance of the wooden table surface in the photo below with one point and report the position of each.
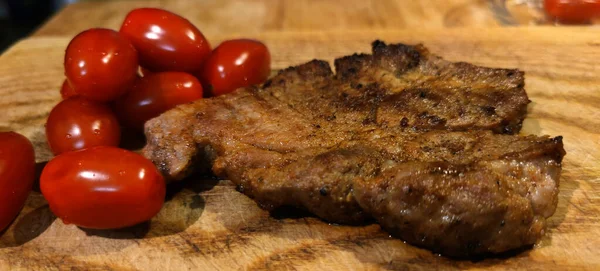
(220, 17)
(207, 225)
(210, 226)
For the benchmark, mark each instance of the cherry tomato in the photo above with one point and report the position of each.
(100, 64)
(165, 41)
(155, 94)
(102, 188)
(77, 123)
(17, 173)
(573, 11)
(234, 64)
(66, 90)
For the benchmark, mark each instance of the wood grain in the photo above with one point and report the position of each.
(218, 17)
(207, 225)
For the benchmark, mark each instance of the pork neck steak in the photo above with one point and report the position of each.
(422, 145)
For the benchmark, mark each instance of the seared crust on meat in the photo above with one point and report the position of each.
(420, 144)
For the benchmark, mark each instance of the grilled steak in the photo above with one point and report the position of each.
(420, 144)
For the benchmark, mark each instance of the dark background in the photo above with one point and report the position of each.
(18, 18)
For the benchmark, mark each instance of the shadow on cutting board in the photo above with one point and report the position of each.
(182, 208)
(34, 219)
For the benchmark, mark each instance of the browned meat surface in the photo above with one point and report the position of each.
(420, 144)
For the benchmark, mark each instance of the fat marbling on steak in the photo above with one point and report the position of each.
(424, 146)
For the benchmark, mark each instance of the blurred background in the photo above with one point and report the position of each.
(19, 17)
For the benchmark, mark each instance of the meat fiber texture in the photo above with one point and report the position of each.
(425, 147)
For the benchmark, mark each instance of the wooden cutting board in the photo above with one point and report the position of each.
(207, 225)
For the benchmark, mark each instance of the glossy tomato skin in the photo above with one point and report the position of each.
(101, 64)
(154, 94)
(234, 64)
(77, 123)
(66, 90)
(572, 11)
(102, 188)
(165, 41)
(17, 173)
(144, 72)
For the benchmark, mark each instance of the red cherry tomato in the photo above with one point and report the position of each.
(155, 94)
(17, 172)
(100, 64)
(66, 90)
(165, 41)
(572, 11)
(234, 64)
(77, 123)
(102, 188)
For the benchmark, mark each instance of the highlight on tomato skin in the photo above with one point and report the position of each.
(103, 188)
(100, 64)
(165, 41)
(235, 64)
(77, 123)
(144, 72)
(572, 11)
(154, 94)
(17, 174)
